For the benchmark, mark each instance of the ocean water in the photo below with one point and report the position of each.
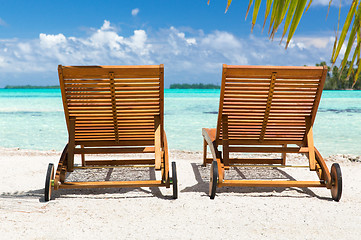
(34, 119)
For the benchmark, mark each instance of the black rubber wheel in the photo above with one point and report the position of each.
(48, 182)
(213, 180)
(336, 179)
(174, 181)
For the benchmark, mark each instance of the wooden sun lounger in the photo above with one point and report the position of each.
(266, 109)
(113, 110)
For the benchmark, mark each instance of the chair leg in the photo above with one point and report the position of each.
(71, 145)
(204, 152)
(82, 157)
(284, 155)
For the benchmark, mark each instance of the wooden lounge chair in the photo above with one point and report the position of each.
(112, 110)
(267, 109)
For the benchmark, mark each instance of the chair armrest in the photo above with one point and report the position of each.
(209, 134)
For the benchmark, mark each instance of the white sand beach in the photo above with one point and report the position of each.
(151, 213)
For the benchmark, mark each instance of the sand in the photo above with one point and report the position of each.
(151, 213)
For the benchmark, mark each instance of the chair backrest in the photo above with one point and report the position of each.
(268, 104)
(113, 105)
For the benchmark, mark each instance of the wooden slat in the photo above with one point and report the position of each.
(255, 161)
(119, 86)
(112, 139)
(154, 80)
(235, 81)
(109, 184)
(97, 83)
(111, 143)
(104, 110)
(119, 162)
(282, 72)
(266, 183)
(114, 150)
(265, 149)
(146, 94)
(256, 142)
(296, 85)
(251, 83)
(91, 72)
(241, 162)
(100, 102)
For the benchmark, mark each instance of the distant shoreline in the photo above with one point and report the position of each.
(30, 87)
(193, 86)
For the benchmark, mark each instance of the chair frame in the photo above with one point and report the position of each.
(158, 145)
(221, 161)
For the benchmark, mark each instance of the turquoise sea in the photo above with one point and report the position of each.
(34, 119)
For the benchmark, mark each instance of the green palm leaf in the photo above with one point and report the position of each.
(249, 6)
(344, 31)
(329, 5)
(287, 4)
(291, 12)
(309, 4)
(352, 37)
(278, 17)
(296, 19)
(273, 14)
(228, 3)
(281, 11)
(268, 8)
(357, 52)
(289, 16)
(257, 4)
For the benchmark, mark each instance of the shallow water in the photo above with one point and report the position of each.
(34, 119)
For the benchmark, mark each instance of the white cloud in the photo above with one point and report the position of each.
(321, 2)
(189, 55)
(137, 43)
(106, 26)
(50, 41)
(221, 40)
(311, 42)
(225, 45)
(189, 41)
(334, 3)
(135, 11)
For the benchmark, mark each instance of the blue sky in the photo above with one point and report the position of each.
(189, 37)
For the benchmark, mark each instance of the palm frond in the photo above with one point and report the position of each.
(228, 3)
(355, 28)
(282, 8)
(257, 4)
(358, 60)
(268, 8)
(249, 7)
(273, 14)
(289, 16)
(296, 19)
(344, 31)
(329, 5)
(290, 13)
(309, 4)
